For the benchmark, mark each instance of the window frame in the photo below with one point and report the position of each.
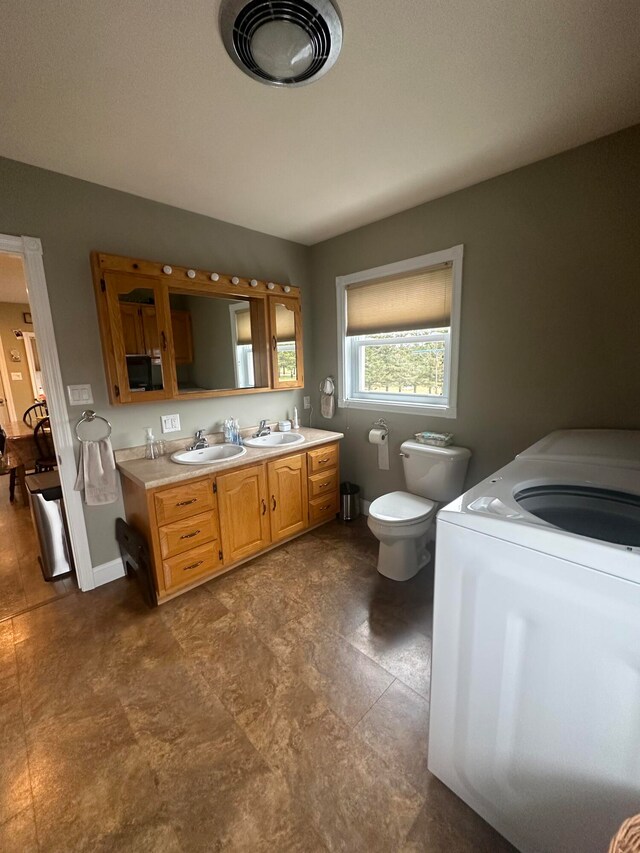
(349, 347)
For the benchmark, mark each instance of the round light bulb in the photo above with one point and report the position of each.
(214, 276)
(235, 280)
(191, 273)
(282, 49)
(254, 282)
(286, 288)
(271, 286)
(167, 270)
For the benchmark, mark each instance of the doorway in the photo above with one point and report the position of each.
(38, 365)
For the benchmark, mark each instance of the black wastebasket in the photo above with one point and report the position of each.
(349, 501)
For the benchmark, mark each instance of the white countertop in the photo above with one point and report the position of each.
(151, 473)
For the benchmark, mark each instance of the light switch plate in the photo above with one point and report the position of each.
(80, 395)
(170, 423)
(307, 402)
(16, 377)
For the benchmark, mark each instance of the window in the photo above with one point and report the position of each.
(398, 331)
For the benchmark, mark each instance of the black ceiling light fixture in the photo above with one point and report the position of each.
(282, 42)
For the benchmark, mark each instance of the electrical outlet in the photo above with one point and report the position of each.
(170, 423)
(307, 402)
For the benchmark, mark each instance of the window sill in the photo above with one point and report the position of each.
(419, 409)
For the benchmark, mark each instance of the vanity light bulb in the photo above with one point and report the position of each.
(235, 280)
(167, 270)
(214, 276)
(191, 273)
(254, 282)
(271, 286)
(286, 288)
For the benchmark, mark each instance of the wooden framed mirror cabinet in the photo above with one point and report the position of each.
(170, 332)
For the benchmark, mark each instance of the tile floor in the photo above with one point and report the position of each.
(21, 583)
(282, 707)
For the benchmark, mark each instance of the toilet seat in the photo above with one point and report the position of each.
(401, 508)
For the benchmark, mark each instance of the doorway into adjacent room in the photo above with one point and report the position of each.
(34, 543)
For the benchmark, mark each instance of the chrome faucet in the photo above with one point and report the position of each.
(200, 443)
(263, 429)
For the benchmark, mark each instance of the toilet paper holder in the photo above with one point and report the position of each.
(380, 424)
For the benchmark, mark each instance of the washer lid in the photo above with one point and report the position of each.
(401, 506)
(613, 447)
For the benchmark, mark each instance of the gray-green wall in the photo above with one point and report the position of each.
(72, 217)
(550, 330)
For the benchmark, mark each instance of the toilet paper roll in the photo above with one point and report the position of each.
(380, 437)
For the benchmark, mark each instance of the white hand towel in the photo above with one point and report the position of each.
(327, 398)
(97, 473)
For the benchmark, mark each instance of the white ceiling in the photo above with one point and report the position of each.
(428, 96)
(13, 286)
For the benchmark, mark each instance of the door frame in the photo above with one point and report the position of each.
(6, 384)
(30, 248)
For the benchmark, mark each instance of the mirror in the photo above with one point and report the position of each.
(215, 342)
(286, 343)
(141, 337)
(170, 332)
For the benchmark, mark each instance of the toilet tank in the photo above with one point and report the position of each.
(432, 472)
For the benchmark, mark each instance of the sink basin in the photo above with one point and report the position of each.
(208, 455)
(275, 439)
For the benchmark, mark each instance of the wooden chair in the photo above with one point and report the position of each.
(12, 471)
(34, 414)
(46, 459)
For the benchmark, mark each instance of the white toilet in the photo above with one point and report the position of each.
(401, 520)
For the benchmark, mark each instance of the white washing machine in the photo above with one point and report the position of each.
(535, 692)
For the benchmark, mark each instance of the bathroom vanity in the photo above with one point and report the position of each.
(201, 521)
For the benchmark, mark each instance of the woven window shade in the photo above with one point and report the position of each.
(243, 327)
(402, 303)
(285, 324)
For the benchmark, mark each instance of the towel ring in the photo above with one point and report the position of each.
(88, 417)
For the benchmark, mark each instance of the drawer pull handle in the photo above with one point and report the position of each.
(264, 507)
(326, 506)
(273, 502)
(192, 566)
(322, 461)
(190, 535)
(322, 485)
(186, 503)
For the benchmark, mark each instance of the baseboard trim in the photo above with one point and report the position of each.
(107, 572)
(364, 507)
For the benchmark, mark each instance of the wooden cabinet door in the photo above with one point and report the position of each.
(182, 336)
(132, 328)
(244, 516)
(288, 501)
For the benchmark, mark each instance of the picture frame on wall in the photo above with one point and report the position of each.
(26, 316)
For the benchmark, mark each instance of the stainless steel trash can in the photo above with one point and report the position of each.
(349, 501)
(47, 512)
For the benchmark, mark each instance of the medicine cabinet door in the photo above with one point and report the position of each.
(286, 342)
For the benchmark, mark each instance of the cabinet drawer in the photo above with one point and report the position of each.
(323, 483)
(323, 458)
(192, 564)
(323, 508)
(183, 501)
(182, 535)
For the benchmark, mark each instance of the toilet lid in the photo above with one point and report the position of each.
(401, 506)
